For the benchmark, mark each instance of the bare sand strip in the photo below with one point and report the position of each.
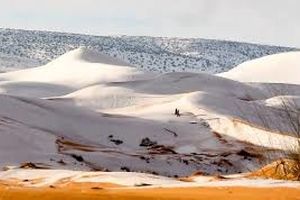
(89, 192)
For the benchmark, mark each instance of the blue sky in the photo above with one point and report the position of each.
(262, 21)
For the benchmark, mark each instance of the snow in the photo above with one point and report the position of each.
(130, 179)
(23, 49)
(69, 70)
(88, 111)
(279, 68)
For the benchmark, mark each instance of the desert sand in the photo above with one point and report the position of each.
(99, 192)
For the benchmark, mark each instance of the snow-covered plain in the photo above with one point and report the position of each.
(88, 111)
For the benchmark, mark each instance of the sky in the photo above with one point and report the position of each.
(275, 22)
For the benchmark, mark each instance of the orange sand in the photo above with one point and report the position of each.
(107, 191)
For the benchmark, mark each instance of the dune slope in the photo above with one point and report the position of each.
(278, 68)
(87, 111)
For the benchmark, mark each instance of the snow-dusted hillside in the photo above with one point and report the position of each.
(22, 49)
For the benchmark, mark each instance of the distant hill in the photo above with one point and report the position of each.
(23, 49)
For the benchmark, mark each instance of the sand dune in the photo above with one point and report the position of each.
(74, 70)
(279, 68)
(87, 111)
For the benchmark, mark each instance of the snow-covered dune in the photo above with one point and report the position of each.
(162, 88)
(278, 68)
(74, 70)
(89, 111)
